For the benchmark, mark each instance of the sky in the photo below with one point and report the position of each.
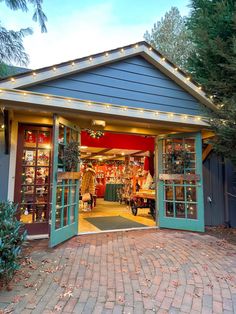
(78, 28)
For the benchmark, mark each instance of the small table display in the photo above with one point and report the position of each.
(111, 192)
(144, 199)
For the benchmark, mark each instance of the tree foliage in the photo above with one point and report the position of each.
(11, 41)
(171, 37)
(213, 64)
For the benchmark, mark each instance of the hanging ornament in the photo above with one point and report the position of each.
(26, 212)
(95, 134)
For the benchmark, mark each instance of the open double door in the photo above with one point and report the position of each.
(179, 197)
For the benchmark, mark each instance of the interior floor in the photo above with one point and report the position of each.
(105, 209)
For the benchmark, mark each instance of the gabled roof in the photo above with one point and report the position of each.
(74, 66)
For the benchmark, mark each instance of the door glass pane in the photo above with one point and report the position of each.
(29, 157)
(44, 140)
(65, 221)
(58, 217)
(169, 209)
(169, 192)
(30, 138)
(192, 211)
(180, 210)
(28, 175)
(179, 193)
(61, 134)
(42, 175)
(72, 213)
(66, 195)
(191, 194)
(43, 157)
(59, 196)
(40, 212)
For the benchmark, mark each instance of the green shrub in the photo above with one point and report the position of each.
(12, 237)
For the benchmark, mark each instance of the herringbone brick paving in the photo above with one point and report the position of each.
(151, 271)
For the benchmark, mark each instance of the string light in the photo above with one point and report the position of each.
(24, 94)
(163, 59)
(185, 117)
(200, 87)
(150, 48)
(176, 69)
(0, 91)
(188, 78)
(156, 113)
(2, 126)
(122, 50)
(72, 63)
(34, 73)
(54, 68)
(90, 59)
(69, 100)
(106, 54)
(47, 97)
(136, 46)
(108, 106)
(12, 80)
(211, 97)
(141, 110)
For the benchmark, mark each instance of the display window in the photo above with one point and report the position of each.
(32, 188)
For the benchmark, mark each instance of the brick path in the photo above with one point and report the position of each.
(153, 271)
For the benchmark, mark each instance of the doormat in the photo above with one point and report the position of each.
(113, 222)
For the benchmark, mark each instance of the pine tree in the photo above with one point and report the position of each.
(213, 64)
(171, 37)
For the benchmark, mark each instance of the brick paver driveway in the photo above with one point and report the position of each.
(149, 271)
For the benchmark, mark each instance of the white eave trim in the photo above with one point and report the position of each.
(48, 101)
(71, 67)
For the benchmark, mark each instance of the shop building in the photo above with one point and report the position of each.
(131, 91)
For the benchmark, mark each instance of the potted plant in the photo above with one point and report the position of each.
(70, 158)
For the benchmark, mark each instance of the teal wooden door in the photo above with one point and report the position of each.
(180, 190)
(65, 191)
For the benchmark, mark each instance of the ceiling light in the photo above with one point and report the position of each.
(99, 122)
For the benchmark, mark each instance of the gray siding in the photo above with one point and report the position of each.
(214, 177)
(132, 82)
(213, 186)
(231, 185)
(4, 169)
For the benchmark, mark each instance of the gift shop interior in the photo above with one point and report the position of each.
(117, 189)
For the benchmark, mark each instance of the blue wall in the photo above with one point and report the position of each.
(4, 169)
(131, 82)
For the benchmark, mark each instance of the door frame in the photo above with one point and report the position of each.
(180, 223)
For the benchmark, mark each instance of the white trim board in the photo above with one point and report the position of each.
(82, 64)
(18, 97)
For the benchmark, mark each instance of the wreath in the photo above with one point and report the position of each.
(95, 134)
(71, 156)
(177, 160)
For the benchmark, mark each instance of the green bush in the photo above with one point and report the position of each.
(12, 237)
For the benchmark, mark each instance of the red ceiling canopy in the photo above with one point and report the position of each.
(122, 141)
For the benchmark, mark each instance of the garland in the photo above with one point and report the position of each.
(95, 134)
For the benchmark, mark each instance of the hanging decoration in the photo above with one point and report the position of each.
(95, 134)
